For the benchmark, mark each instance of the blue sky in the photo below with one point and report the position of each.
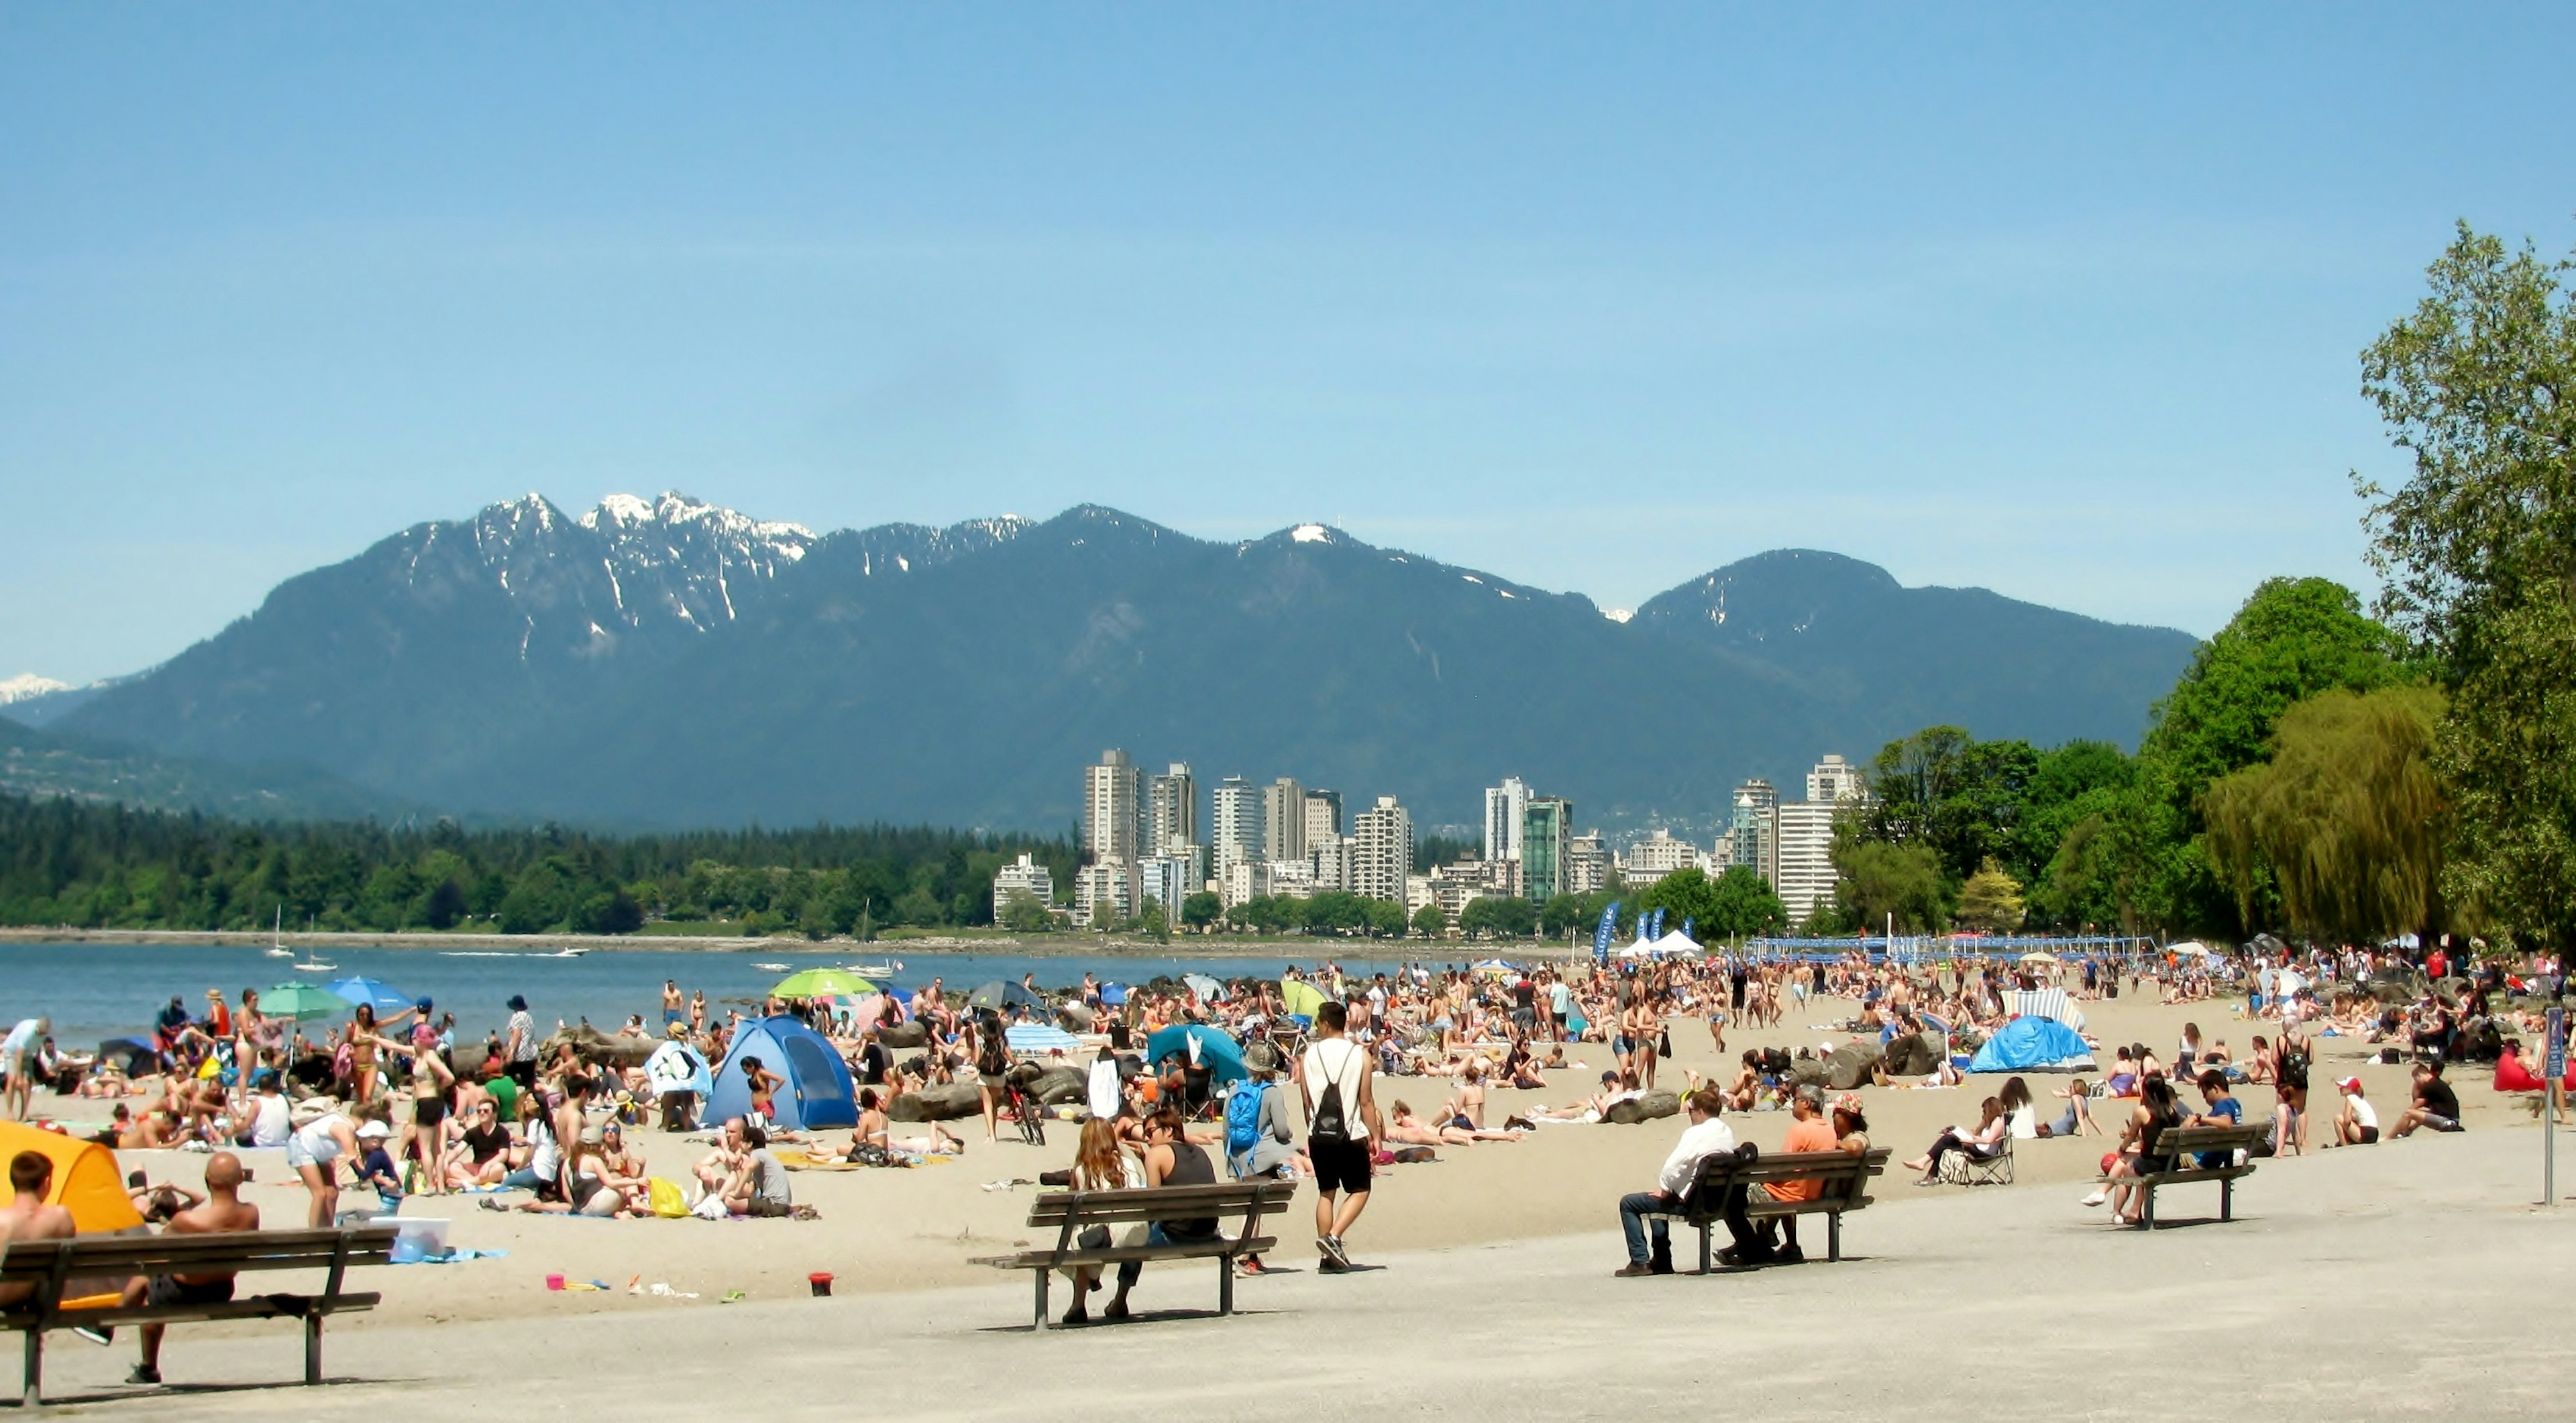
(2061, 301)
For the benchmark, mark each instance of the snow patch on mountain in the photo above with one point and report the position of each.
(28, 684)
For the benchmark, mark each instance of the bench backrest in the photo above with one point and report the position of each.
(2183, 1141)
(1165, 1203)
(1842, 1175)
(238, 1252)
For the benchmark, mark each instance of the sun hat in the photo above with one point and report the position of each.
(518, 1003)
(374, 1131)
(1848, 1102)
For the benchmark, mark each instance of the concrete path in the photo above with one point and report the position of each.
(2403, 1280)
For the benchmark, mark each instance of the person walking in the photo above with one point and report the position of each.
(1342, 1126)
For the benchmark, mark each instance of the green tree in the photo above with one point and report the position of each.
(2347, 819)
(2477, 552)
(2293, 639)
(1429, 922)
(1879, 879)
(1385, 918)
(1153, 923)
(1202, 909)
(444, 905)
(1024, 913)
(1742, 902)
(1990, 902)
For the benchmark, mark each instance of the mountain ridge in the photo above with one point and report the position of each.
(669, 661)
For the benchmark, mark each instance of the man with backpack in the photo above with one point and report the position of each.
(1342, 1125)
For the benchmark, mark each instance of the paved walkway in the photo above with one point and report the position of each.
(2401, 1280)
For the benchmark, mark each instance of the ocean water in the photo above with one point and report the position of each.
(95, 991)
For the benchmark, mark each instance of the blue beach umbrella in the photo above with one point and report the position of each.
(374, 992)
(1113, 995)
(676, 1067)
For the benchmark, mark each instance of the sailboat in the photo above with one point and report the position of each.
(277, 948)
(309, 963)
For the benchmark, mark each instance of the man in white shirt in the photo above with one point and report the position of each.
(15, 1053)
(1705, 1136)
(1338, 1142)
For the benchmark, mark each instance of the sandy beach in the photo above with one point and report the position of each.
(905, 1230)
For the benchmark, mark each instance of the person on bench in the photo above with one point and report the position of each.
(2435, 1105)
(27, 1217)
(2157, 1112)
(1100, 1163)
(1705, 1136)
(1810, 1132)
(223, 1211)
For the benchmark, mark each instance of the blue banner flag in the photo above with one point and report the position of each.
(1686, 927)
(1601, 935)
(1656, 930)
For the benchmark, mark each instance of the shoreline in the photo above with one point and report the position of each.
(1053, 946)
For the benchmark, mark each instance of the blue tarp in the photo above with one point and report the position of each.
(2033, 1045)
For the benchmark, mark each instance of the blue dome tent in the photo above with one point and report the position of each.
(818, 1090)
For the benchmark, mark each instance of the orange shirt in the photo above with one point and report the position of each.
(1813, 1134)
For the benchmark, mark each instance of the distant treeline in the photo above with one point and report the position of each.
(98, 866)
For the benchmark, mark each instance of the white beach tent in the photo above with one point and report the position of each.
(1678, 945)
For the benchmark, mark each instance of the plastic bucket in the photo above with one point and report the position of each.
(822, 1282)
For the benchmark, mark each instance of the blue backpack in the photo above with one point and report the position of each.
(1243, 1117)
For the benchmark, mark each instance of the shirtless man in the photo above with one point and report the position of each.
(720, 1168)
(222, 1210)
(27, 1217)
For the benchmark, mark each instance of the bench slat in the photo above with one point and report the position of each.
(1121, 1254)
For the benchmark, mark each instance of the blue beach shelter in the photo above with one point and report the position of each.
(2033, 1045)
(819, 1092)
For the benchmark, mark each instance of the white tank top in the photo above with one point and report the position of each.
(272, 1126)
(316, 1140)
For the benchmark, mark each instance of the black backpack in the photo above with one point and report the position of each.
(1330, 1125)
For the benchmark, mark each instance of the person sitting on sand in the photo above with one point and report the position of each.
(2358, 1123)
(2435, 1104)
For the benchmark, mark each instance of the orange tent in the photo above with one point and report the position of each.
(86, 1182)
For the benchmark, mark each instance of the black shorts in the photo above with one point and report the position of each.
(2369, 1136)
(524, 1073)
(167, 1291)
(429, 1111)
(1340, 1165)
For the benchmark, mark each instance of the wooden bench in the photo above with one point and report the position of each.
(1842, 1177)
(1070, 1213)
(2185, 1144)
(92, 1264)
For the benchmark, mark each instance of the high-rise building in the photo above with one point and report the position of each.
(1753, 835)
(1331, 856)
(1547, 827)
(1293, 878)
(1381, 852)
(1504, 806)
(1806, 836)
(1656, 856)
(1234, 829)
(1166, 880)
(1323, 817)
(1283, 820)
(1024, 875)
(1171, 810)
(1111, 792)
(1104, 892)
(1587, 864)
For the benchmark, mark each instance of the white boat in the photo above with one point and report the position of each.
(873, 970)
(314, 966)
(771, 967)
(565, 953)
(277, 948)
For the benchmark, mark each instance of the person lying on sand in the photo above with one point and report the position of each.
(1404, 1128)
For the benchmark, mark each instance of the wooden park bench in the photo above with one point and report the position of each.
(90, 1265)
(2185, 1145)
(1070, 1213)
(1843, 1181)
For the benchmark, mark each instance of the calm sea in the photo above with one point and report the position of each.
(95, 991)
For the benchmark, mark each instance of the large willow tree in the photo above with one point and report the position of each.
(2478, 548)
(2345, 823)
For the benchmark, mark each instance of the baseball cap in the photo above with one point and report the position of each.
(373, 1131)
(2349, 1084)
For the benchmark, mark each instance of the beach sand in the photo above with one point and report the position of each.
(898, 1230)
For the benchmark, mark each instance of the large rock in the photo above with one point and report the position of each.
(1807, 1072)
(1913, 1055)
(903, 1035)
(595, 1047)
(938, 1104)
(1645, 1108)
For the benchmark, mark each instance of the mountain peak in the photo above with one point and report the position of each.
(28, 684)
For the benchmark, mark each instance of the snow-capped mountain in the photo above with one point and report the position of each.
(668, 661)
(28, 684)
